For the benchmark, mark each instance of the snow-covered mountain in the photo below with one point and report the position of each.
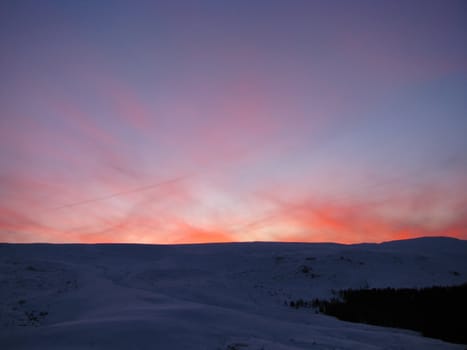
(212, 296)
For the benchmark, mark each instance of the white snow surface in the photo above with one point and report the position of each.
(210, 296)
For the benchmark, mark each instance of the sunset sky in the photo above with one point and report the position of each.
(217, 121)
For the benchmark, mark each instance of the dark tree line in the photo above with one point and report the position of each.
(437, 312)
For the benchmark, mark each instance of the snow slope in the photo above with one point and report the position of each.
(214, 296)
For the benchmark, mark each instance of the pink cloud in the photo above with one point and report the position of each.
(430, 211)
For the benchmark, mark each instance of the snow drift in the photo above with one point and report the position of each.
(210, 296)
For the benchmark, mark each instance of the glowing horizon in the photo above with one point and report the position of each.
(162, 122)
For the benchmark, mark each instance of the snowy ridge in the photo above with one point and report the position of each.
(211, 296)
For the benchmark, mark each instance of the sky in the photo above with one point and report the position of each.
(220, 121)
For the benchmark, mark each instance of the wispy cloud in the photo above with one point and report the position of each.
(203, 123)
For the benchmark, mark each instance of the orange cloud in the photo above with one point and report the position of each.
(188, 233)
(426, 212)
